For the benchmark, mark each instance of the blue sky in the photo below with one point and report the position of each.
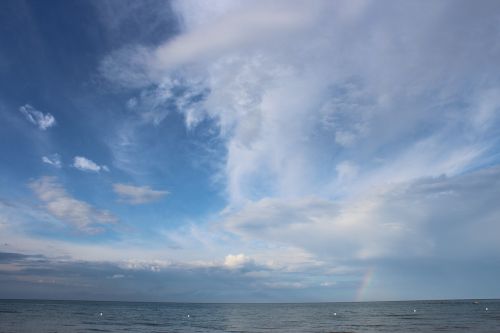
(249, 151)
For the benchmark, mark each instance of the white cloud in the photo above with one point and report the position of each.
(330, 230)
(235, 29)
(137, 195)
(197, 246)
(431, 218)
(292, 108)
(84, 164)
(233, 261)
(54, 160)
(333, 117)
(245, 27)
(285, 285)
(485, 108)
(287, 101)
(69, 210)
(42, 120)
(346, 171)
(418, 222)
(117, 276)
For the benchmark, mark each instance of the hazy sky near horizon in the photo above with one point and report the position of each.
(249, 150)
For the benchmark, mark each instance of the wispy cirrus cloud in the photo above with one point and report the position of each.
(285, 113)
(85, 164)
(42, 120)
(69, 210)
(137, 195)
(242, 26)
(54, 160)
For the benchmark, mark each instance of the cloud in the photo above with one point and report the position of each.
(293, 110)
(42, 276)
(347, 131)
(137, 195)
(9, 257)
(442, 217)
(327, 229)
(435, 228)
(27, 275)
(54, 160)
(305, 112)
(42, 120)
(237, 261)
(84, 164)
(73, 212)
(138, 66)
(234, 29)
(117, 276)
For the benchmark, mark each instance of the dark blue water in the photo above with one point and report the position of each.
(420, 316)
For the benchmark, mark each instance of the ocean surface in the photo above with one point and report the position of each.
(418, 316)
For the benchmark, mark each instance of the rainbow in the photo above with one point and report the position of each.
(365, 283)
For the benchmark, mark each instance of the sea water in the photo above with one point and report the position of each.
(83, 316)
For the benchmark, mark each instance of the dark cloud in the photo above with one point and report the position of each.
(10, 257)
(67, 279)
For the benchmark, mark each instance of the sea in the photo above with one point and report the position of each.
(411, 316)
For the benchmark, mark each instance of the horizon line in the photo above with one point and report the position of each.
(250, 302)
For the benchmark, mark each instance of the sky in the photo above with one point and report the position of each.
(249, 151)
